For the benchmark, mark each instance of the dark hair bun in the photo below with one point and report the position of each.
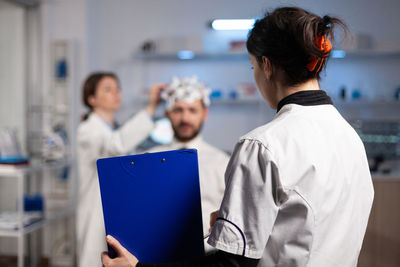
(289, 37)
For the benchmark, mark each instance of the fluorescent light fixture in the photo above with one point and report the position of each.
(232, 24)
(186, 54)
(338, 54)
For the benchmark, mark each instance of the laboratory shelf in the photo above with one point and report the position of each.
(36, 225)
(238, 101)
(58, 110)
(370, 54)
(27, 229)
(9, 170)
(365, 102)
(196, 56)
(21, 175)
(216, 101)
(336, 55)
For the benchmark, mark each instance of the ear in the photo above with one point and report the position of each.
(267, 67)
(205, 114)
(92, 101)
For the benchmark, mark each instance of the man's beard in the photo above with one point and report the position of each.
(185, 139)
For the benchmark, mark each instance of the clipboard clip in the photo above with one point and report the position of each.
(187, 150)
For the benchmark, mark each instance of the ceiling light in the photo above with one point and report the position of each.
(232, 24)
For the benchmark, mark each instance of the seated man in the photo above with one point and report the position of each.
(187, 109)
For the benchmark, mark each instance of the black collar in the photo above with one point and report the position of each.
(306, 98)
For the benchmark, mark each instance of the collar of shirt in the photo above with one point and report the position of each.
(306, 98)
(194, 143)
(112, 127)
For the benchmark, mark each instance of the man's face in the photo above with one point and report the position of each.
(187, 119)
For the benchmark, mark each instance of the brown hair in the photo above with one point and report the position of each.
(287, 37)
(90, 87)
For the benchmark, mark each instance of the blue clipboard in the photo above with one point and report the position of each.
(151, 204)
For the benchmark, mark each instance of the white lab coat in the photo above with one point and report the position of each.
(96, 139)
(212, 165)
(298, 192)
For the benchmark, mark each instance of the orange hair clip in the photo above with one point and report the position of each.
(324, 45)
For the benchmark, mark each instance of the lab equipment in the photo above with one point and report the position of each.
(381, 140)
(10, 148)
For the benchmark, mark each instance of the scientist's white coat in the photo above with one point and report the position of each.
(298, 192)
(212, 165)
(96, 139)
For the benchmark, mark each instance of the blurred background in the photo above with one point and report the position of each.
(48, 47)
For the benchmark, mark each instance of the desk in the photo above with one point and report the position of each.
(381, 247)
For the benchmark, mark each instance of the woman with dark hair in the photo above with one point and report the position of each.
(99, 137)
(298, 189)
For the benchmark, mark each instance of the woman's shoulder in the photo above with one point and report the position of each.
(92, 120)
(278, 127)
(91, 127)
(261, 133)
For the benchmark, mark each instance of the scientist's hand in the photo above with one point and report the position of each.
(155, 97)
(124, 258)
(213, 219)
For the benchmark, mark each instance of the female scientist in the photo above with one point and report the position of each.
(98, 137)
(298, 189)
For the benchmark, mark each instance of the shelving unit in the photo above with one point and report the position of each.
(363, 102)
(54, 109)
(21, 175)
(145, 59)
(145, 62)
(225, 71)
(239, 101)
(153, 56)
(370, 54)
(196, 56)
(50, 126)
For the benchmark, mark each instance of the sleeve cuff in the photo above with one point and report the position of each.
(227, 238)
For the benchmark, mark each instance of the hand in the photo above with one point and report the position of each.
(124, 258)
(213, 219)
(155, 98)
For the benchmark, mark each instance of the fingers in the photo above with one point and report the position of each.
(114, 243)
(124, 257)
(213, 219)
(155, 97)
(155, 91)
(105, 259)
(158, 87)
